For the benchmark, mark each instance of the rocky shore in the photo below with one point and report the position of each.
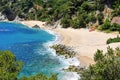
(63, 50)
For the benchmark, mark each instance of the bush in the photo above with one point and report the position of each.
(113, 40)
(111, 27)
(66, 21)
(106, 25)
(115, 27)
(39, 76)
(106, 67)
(90, 17)
(9, 67)
(100, 18)
(76, 23)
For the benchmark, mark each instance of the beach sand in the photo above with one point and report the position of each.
(85, 43)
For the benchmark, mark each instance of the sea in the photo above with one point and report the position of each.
(32, 47)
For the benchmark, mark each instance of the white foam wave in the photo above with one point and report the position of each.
(57, 40)
(4, 30)
(58, 37)
(66, 62)
(69, 76)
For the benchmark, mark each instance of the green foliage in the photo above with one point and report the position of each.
(107, 66)
(76, 23)
(115, 27)
(106, 25)
(90, 17)
(87, 6)
(100, 18)
(83, 19)
(113, 40)
(66, 21)
(25, 9)
(9, 66)
(111, 27)
(116, 7)
(39, 76)
(53, 77)
(80, 12)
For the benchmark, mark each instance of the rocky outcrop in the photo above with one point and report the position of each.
(63, 50)
(107, 13)
(9, 14)
(36, 26)
(115, 20)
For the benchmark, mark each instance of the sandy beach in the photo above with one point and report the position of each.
(85, 43)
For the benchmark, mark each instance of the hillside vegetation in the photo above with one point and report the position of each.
(71, 13)
(10, 68)
(106, 67)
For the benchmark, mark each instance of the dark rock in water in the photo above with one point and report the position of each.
(36, 26)
(9, 14)
(66, 51)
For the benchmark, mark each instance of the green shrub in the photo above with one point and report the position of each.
(106, 25)
(76, 23)
(115, 27)
(65, 22)
(40, 76)
(100, 18)
(106, 67)
(9, 66)
(113, 40)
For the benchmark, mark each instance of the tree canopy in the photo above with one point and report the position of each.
(107, 66)
(10, 68)
(71, 13)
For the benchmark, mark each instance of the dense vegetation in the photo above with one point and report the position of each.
(79, 13)
(10, 68)
(71, 13)
(39, 77)
(107, 26)
(113, 40)
(107, 66)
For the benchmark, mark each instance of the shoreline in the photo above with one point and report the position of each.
(67, 62)
(58, 59)
(79, 40)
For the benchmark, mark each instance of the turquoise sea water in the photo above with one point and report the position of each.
(31, 46)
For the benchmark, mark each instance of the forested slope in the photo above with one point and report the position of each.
(71, 13)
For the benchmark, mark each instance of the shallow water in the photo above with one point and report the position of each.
(31, 46)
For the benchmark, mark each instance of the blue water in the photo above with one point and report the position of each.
(29, 46)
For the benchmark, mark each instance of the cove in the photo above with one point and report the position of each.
(31, 46)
